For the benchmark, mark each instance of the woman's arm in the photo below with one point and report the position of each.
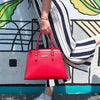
(45, 27)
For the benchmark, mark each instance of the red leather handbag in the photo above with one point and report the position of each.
(45, 63)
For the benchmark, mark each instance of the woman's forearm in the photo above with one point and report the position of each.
(45, 27)
(46, 4)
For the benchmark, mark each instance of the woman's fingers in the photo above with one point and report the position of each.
(45, 27)
(50, 31)
(45, 31)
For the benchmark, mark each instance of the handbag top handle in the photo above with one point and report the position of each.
(50, 41)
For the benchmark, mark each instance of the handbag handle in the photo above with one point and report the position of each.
(50, 41)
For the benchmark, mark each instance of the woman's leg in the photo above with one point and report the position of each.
(48, 91)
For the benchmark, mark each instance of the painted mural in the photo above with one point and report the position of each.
(18, 27)
(18, 32)
(88, 7)
(7, 10)
(85, 22)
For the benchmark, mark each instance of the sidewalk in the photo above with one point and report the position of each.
(55, 96)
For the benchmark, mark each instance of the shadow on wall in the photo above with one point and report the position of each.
(95, 88)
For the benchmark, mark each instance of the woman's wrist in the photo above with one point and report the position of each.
(44, 18)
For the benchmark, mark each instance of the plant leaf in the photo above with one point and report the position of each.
(7, 10)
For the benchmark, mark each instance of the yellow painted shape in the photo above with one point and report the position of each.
(82, 8)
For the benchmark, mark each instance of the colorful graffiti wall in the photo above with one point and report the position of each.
(18, 33)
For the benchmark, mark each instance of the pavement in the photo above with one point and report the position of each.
(54, 97)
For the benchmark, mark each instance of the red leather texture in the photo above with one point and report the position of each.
(45, 64)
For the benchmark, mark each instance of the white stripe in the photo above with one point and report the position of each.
(85, 40)
(51, 82)
(86, 49)
(78, 61)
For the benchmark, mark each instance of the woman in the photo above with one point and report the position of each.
(54, 20)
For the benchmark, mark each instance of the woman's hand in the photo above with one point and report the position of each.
(45, 27)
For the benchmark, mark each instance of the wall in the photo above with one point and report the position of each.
(17, 30)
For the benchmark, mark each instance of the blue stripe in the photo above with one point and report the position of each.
(37, 7)
(86, 43)
(87, 63)
(63, 23)
(82, 53)
(54, 32)
(68, 18)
